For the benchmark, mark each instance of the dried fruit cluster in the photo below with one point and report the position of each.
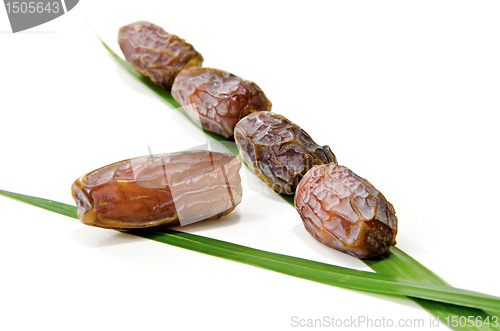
(338, 208)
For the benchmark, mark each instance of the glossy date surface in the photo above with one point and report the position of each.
(278, 150)
(344, 211)
(156, 54)
(216, 100)
(159, 189)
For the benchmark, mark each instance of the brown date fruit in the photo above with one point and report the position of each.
(344, 211)
(161, 189)
(277, 150)
(216, 99)
(156, 54)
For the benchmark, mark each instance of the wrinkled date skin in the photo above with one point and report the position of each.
(160, 189)
(277, 150)
(155, 53)
(217, 99)
(344, 211)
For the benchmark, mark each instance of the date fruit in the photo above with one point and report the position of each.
(156, 54)
(161, 189)
(277, 150)
(344, 211)
(216, 100)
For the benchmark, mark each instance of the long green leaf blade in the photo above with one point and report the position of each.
(307, 269)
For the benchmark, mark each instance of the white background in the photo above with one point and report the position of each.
(405, 93)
